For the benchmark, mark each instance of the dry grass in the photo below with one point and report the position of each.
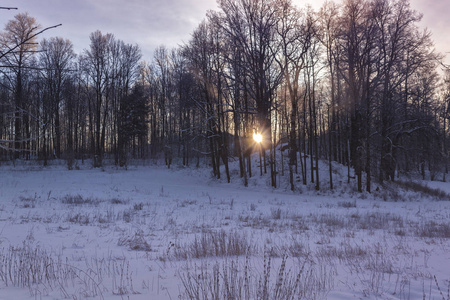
(135, 242)
(347, 204)
(79, 200)
(434, 229)
(214, 243)
(36, 269)
(234, 279)
(436, 194)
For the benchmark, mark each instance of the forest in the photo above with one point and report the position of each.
(357, 83)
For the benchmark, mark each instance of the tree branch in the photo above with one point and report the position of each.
(27, 39)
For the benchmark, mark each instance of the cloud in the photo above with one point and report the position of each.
(143, 22)
(147, 23)
(435, 18)
(150, 23)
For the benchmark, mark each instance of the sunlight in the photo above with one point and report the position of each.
(257, 137)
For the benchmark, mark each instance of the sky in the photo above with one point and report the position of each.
(151, 23)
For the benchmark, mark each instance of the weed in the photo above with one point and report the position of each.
(108, 217)
(28, 202)
(118, 201)
(214, 244)
(389, 193)
(440, 291)
(276, 213)
(298, 249)
(437, 194)
(135, 242)
(79, 200)
(232, 279)
(128, 215)
(433, 229)
(34, 268)
(138, 206)
(347, 204)
(78, 218)
(186, 203)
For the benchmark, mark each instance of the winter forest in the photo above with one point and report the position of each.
(282, 152)
(357, 83)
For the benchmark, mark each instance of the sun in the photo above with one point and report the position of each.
(257, 137)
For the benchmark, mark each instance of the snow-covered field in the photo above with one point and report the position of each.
(152, 233)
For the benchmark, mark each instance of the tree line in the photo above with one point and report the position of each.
(358, 83)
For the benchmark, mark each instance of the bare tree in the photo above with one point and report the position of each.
(295, 32)
(252, 24)
(56, 61)
(201, 56)
(163, 71)
(19, 41)
(131, 109)
(98, 70)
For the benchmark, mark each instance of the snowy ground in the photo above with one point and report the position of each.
(153, 233)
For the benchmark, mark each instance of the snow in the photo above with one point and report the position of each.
(117, 233)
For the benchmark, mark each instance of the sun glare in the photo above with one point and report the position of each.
(257, 137)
